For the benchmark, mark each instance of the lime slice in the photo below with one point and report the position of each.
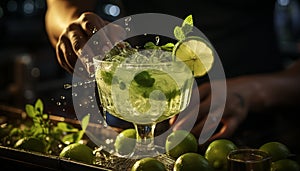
(196, 53)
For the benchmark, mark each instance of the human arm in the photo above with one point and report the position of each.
(248, 94)
(60, 13)
(70, 24)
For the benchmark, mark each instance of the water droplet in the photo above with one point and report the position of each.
(109, 141)
(63, 109)
(62, 97)
(92, 75)
(80, 83)
(157, 40)
(80, 68)
(127, 29)
(95, 42)
(58, 103)
(67, 86)
(74, 94)
(127, 20)
(94, 30)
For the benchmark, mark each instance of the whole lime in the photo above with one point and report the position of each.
(276, 150)
(180, 142)
(31, 144)
(125, 141)
(190, 162)
(78, 152)
(148, 164)
(217, 151)
(285, 165)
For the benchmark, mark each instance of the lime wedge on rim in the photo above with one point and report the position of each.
(196, 53)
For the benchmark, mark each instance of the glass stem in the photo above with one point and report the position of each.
(145, 139)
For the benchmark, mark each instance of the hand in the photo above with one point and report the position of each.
(73, 39)
(234, 101)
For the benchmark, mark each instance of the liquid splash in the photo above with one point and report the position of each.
(126, 22)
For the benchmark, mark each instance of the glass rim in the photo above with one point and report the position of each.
(158, 63)
(265, 155)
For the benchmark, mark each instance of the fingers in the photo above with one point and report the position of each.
(207, 127)
(92, 25)
(227, 130)
(204, 90)
(65, 54)
(186, 119)
(74, 42)
(116, 33)
(197, 108)
(77, 37)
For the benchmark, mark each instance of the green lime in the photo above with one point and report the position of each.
(78, 152)
(285, 165)
(125, 141)
(191, 162)
(180, 142)
(196, 53)
(217, 151)
(148, 164)
(31, 144)
(276, 150)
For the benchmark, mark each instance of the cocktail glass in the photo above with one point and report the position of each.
(144, 94)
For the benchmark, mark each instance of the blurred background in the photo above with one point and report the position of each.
(28, 66)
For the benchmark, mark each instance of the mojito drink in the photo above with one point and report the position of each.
(144, 93)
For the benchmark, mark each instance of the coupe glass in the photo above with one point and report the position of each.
(144, 94)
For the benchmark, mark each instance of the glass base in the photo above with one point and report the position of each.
(153, 152)
(118, 162)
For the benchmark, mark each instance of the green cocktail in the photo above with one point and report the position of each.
(144, 92)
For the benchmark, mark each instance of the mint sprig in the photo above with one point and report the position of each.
(181, 32)
(41, 127)
(166, 47)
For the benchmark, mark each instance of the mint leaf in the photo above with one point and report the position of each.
(107, 77)
(66, 127)
(188, 21)
(181, 33)
(186, 29)
(178, 33)
(39, 106)
(144, 79)
(167, 47)
(30, 110)
(150, 45)
(85, 122)
(73, 137)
